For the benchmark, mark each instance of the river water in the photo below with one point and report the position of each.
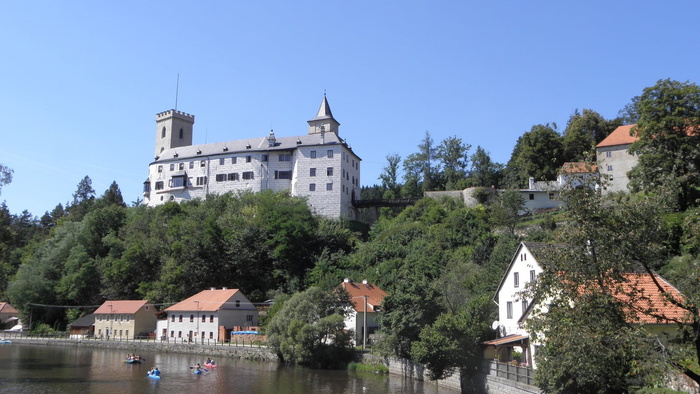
(59, 369)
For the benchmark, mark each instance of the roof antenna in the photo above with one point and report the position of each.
(177, 89)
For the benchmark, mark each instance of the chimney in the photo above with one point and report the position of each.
(212, 288)
(364, 281)
(224, 288)
(346, 280)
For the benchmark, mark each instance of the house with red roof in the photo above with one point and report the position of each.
(9, 315)
(209, 316)
(125, 319)
(649, 307)
(366, 299)
(614, 158)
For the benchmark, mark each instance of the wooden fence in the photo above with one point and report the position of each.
(511, 372)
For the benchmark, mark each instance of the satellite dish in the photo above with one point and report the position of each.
(495, 325)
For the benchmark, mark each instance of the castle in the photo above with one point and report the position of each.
(320, 165)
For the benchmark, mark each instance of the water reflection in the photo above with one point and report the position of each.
(49, 369)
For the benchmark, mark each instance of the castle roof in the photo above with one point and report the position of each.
(619, 136)
(324, 111)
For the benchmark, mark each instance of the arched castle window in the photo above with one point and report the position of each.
(162, 133)
(181, 133)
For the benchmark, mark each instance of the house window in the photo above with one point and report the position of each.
(222, 161)
(172, 166)
(248, 159)
(159, 185)
(172, 333)
(238, 303)
(181, 166)
(329, 186)
(248, 175)
(283, 175)
(532, 275)
(160, 168)
(608, 154)
(233, 176)
(524, 303)
(312, 187)
(203, 163)
(551, 196)
(329, 171)
(127, 333)
(285, 157)
(211, 318)
(509, 310)
(172, 318)
(353, 163)
(312, 154)
(146, 187)
(531, 196)
(312, 172)
(249, 318)
(191, 318)
(179, 334)
(177, 181)
(120, 333)
(330, 153)
(162, 133)
(211, 334)
(128, 317)
(180, 318)
(609, 167)
(204, 318)
(221, 177)
(264, 158)
(201, 180)
(516, 279)
(191, 165)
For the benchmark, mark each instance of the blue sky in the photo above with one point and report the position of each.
(81, 82)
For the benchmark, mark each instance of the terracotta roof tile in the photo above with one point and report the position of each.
(357, 291)
(650, 305)
(123, 306)
(206, 300)
(5, 307)
(578, 167)
(619, 136)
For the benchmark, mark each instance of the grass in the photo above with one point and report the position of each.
(378, 369)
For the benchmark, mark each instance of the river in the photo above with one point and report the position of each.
(33, 369)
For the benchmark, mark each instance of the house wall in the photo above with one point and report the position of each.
(355, 321)
(191, 322)
(523, 265)
(538, 199)
(616, 162)
(125, 325)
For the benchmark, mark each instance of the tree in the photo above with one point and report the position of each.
(84, 192)
(389, 176)
(505, 211)
(418, 167)
(454, 159)
(112, 196)
(5, 176)
(583, 132)
(484, 171)
(309, 329)
(669, 140)
(539, 153)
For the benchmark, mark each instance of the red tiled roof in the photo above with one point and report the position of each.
(123, 306)
(357, 291)
(5, 307)
(507, 339)
(207, 300)
(578, 167)
(619, 136)
(650, 305)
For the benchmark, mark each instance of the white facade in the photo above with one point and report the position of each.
(319, 165)
(615, 160)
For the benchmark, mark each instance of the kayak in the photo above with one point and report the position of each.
(133, 361)
(197, 372)
(5, 341)
(153, 376)
(210, 365)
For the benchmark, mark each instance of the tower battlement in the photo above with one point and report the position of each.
(176, 114)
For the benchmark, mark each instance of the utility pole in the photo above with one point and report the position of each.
(364, 330)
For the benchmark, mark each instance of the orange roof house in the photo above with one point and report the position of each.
(366, 299)
(620, 136)
(125, 319)
(9, 315)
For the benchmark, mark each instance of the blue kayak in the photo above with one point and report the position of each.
(5, 341)
(153, 376)
(197, 372)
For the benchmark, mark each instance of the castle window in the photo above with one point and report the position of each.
(146, 187)
(181, 166)
(222, 161)
(329, 171)
(162, 133)
(172, 166)
(330, 154)
(329, 186)
(312, 154)
(233, 160)
(201, 180)
(353, 163)
(159, 185)
(160, 168)
(312, 172)
(264, 158)
(248, 175)
(283, 175)
(220, 177)
(608, 154)
(191, 165)
(178, 181)
(233, 176)
(312, 187)
(609, 167)
(248, 159)
(181, 133)
(285, 157)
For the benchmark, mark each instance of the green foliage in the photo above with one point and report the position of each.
(5, 176)
(378, 369)
(583, 132)
(539, 153)
(309, 329)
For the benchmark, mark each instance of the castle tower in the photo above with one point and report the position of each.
(324, 121)
(173, 129)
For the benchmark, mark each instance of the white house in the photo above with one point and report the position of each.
(208, 315)
(614, 158)
(366, 299)
(319, 165)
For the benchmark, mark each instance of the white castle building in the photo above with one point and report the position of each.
(319, 165)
